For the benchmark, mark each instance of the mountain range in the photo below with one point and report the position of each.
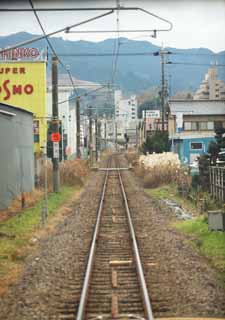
(136, 72)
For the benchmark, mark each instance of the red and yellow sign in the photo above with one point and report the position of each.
(23, 85)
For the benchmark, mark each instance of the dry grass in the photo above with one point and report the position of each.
(72, 173)
(15, 207)
(161, 175)
(132, 157)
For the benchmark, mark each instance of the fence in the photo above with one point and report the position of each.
(217, 183)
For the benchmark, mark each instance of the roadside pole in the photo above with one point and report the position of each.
(96, 139)
(116, 135)
(99, 138)
(55, 125)
(105, 134)
(163, 91)
(78, 126)
(44, 211)
(90, 138)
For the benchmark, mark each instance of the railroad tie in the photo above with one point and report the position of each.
(114, 279)
(115, 306)
(120, 263)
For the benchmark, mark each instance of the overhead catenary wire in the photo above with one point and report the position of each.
(35, 39)
(84, 94)
(95, 9)
(52, 48)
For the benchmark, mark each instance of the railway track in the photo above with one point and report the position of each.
(114, 284)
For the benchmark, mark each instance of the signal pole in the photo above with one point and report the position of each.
(78, 126)
(55, 124)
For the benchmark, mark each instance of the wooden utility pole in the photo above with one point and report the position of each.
(55, 124)
(78, 126)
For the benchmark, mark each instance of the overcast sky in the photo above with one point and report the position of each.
(196, 23)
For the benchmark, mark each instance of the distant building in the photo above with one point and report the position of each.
(67, 108)
(17, 153)
(125, 115)
(211, 88)
(191, 125)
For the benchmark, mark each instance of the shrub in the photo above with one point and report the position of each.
(72, 172)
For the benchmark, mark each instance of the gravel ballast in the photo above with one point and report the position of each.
(180, 281)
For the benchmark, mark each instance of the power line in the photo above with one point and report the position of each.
(23, 43)
(52, 48)
(84, 94)
(196, 64)
(105, 54)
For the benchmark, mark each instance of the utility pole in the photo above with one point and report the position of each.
(145, 131)
(90, 137)
(96, 139)
(78, 126)
(163, 87)
(99, 138)
(116, 135)
(55, 124)
(105, 134)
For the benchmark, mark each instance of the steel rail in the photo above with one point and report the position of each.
(145, 295)
(84, 293)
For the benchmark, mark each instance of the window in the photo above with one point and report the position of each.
(210, 125)
(187, 125)
(203, 125)
(190, 125)
(218, 124)
(196, 145)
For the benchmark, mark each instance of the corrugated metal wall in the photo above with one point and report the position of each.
(16, 155)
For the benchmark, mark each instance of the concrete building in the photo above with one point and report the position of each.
(67, 109)
(211, 88)
(17, 153)
(125, 114)
(191, 125)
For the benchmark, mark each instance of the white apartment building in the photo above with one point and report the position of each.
(211, 88)
(67, 110)
(125, 114)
